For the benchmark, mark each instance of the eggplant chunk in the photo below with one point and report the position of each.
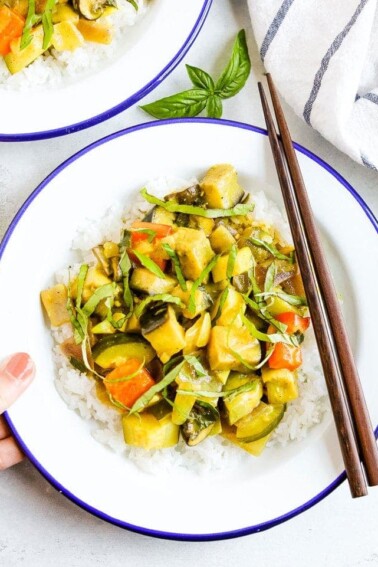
(281, 385)
(199, 424)
(193, 249)
(221, 187)
(145, 281)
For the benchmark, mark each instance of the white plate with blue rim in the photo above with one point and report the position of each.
(152, 48)
(263, 492)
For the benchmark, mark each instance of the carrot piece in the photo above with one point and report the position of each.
(295, 323)
(11, 26)
(160, 230)
(285, 356)
(127, 391)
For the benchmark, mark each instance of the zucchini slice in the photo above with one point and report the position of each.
(114, 350)
(260, 422)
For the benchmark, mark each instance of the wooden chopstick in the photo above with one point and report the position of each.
(329, 329)
(352, 384)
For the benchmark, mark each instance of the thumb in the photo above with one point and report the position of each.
(16, 373)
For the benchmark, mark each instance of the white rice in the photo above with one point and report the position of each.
(54, 66)
(215, 453)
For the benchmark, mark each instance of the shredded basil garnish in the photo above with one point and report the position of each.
(125, 267)
(291, 299)
(125, 378)
(203, 275)
(195, 363)
(222, 300)
(176, 264)
(31, 20)
(240, 209)
(261, 311)
(231, 261)
(149, 264)
(151, 233)
(271, 249)
(48, 28)
(269, 278)
(273, 338)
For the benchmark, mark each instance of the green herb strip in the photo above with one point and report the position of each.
(269, 278)
(295, 300)
(200, 78)
(126, 378)
(203, 275)
(125, 267)
(222, 300)
(273, 338)
(240, 209)
(165, 297)
(151, 233)
(248, 387)
(141, 402)
(31, 20)
(195, 363)
(134, 4)
(149, 264)
(48, 28)
(271, 249)
(80, 283)
(102, 292)
(261, 311)
(231, 261)
(177, 266)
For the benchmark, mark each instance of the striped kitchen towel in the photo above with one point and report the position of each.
(323, 55)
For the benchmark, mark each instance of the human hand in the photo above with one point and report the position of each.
(16, 373)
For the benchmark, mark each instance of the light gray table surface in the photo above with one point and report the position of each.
(41, 528)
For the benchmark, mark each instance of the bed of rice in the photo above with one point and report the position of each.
(215, 453)
(54, 66)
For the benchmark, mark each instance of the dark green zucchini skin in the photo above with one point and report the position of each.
(199, 423)
(116, 339)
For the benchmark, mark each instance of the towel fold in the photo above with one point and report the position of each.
(323, 56)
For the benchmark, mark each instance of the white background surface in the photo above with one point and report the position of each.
(39, 527)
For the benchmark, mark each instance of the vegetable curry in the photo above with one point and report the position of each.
(30, 28)
(192, 324)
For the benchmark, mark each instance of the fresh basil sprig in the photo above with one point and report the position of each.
(206, 93)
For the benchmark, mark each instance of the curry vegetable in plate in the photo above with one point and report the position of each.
(30, 29)
(191, 325)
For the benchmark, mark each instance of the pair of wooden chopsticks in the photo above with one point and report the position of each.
(356, 437)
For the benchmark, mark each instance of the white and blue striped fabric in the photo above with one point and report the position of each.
(323, 55)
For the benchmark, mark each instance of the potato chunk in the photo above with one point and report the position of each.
(232, 310)
(54, 301)
(221, 239)
(225, 342)
(221, 186)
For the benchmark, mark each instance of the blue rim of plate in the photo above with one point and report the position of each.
(127, 103)
(60, 488)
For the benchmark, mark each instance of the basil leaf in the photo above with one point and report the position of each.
(48, 28)
(266, 337)
(195, 363)
(176, 263)
(214, 106)
(166, 297)
(107, 290)
(134, 4)
(181, 105)
(149, 264)
(80, 283)
(240, 209)
(269, 278)
(222, 300)
(291, 299)
(203, 275)
(200, 78)
(151, 233)
(231, 261)
(271, 249)
(237, 71)
(31, 20)
(141, 402)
